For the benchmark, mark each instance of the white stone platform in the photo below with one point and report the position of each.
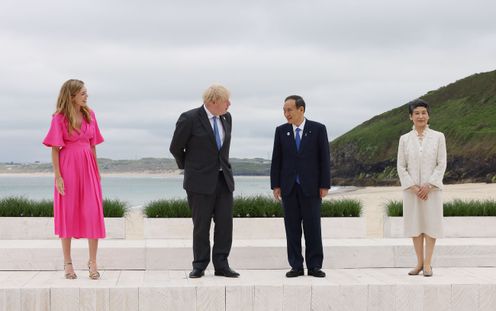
(250, 228)
(455, 289)
(246, 254)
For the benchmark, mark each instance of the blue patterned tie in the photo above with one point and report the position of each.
(216, 133)
(298, 141)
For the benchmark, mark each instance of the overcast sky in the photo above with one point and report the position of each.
(144, 62)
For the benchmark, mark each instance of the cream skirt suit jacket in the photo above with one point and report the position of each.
(422, 161)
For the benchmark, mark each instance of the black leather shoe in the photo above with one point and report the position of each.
(227, 272)
(196, 273)
(294, 273)
(317, 273)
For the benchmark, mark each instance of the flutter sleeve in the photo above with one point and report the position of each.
(97, 138)
(55, 136)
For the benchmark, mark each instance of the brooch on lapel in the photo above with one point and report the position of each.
(309, 132)
(288, 134)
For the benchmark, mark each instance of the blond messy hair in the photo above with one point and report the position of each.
(214, 93)
(66, 106)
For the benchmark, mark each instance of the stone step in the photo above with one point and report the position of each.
(388, 289)
(246, 254)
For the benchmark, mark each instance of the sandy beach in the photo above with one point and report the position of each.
(374, 199)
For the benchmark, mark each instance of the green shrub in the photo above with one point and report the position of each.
(454, 208)
(470, 208)
(114, 208)
(256, 206)
(176, 208)
(23, 207)
(341, 208)
(394, 208)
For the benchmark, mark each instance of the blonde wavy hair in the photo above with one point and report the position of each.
(66, 106)
(215, 92)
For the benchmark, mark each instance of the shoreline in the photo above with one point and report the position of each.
(125, 174)
(128, 174)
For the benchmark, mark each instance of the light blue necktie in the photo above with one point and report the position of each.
(298, 141)
(216, 133)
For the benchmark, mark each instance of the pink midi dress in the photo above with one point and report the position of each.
(78, 213)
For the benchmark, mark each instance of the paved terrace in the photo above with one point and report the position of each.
(464, 289)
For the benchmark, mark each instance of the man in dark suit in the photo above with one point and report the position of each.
(200, 146)
(300, 177)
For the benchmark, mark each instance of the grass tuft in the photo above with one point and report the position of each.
(455, 208)
(394, 208)
(175, 208)
(254, 206)
(341, 208)
(470, 208)
(114, 208)
(22, 207)
(257, 206)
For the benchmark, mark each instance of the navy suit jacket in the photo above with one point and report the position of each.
(311, 163)
(195, 150)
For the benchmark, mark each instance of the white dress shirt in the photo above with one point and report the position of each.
(219, 124)
(301, 127)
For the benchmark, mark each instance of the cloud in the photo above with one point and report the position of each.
(146, 62)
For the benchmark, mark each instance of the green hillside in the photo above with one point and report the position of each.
(465, 111)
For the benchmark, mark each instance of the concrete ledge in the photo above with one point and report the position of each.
(255, 228)
(454, 227)
(47, 254)
(245, 254)
(471, 289)
(338, 253)
(30, 228)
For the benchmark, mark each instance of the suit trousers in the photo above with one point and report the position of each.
(218, 205)
(301, 209)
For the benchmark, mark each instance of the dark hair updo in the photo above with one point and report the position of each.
(418, 103)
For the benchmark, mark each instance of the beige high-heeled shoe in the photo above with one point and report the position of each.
(428, 273)
(415, 271)
(94, 275)
(69, 275)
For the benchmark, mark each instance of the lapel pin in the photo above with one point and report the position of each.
(288, 134)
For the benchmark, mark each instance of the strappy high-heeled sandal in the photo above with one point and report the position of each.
(94, 275)
(69, 275)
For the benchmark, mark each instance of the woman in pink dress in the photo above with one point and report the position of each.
(77, 204)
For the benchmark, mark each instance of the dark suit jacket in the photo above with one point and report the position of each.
(194, 148)
(311, 163)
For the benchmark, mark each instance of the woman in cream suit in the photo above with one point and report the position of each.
(421, 167)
